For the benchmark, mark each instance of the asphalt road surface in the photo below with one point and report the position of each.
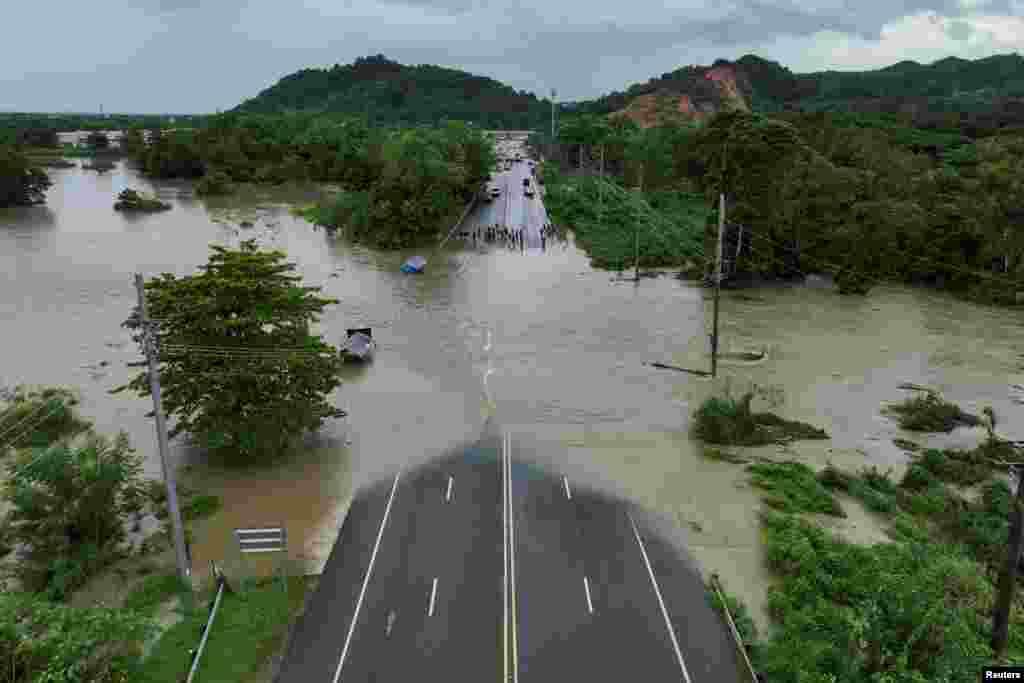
(512, 209)
(483, 567)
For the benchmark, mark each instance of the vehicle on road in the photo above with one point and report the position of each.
(359, 344)
(495, 193)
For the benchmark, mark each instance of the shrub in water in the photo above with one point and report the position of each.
(792, 487)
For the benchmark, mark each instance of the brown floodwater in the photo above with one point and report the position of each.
(566, 362)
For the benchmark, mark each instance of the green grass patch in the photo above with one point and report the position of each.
(726, 421)
(964, 468)
(248, 629)
(873, 488)
(201, 506)
(931, 413)
(153, 591)
(792, 487)
(911, 611)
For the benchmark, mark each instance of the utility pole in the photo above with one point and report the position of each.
(184, 570)
(1008, 579)
(554, 93)
(718, 283)
(636, 233)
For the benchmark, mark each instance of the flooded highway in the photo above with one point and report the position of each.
(567, 353)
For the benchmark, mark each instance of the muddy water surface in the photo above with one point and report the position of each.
(568, 346)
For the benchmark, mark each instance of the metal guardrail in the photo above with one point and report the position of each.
(197, 655)
(754, 678)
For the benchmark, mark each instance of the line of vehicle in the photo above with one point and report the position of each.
(366, 579)
(664, 612)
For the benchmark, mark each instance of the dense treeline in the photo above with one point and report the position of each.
(819, 193)
(387, 92)
(398, 185)
(73, 122)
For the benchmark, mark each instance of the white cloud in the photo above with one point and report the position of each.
(188, 55)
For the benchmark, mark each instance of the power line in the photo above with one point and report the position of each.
(243, 351)
(28, 417)
(53, 410)
(975, 273)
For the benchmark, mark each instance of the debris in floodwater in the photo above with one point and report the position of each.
(930, 413)
(724, 456)
(730, 422)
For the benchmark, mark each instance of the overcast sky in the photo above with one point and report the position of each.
(188, 56)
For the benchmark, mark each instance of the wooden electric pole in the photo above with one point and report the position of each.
(718, 283)
(1008, 579)
(636, 233)
(184, 570)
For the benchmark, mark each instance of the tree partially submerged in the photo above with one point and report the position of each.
(236, 401)
(22, 183)
(729, 422)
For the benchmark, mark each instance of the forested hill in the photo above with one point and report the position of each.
(993, 86)
(393, 93)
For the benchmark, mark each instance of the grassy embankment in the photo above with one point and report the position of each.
(605, 217)
(916, 609)
(250, 626)
(248, 631)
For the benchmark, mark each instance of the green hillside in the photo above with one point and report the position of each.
(393, 93)
(988, 91)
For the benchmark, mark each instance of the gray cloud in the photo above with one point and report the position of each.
(188, 55)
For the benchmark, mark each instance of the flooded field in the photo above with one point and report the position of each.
(568, 347)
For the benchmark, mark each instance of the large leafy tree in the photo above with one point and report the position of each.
(21, 182)
(240, 403)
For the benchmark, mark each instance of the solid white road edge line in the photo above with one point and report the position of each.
(504, 547)
(664, 612)
(433, 594)
(566, 480)
(366, 580)
(586, 587)
(448, 495)
(512, 566)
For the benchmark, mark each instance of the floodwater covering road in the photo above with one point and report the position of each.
(568, 378)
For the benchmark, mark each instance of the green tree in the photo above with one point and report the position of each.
(45, 642)
(241, 404)
(21, 183)
(69, 504)
(134, 142)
